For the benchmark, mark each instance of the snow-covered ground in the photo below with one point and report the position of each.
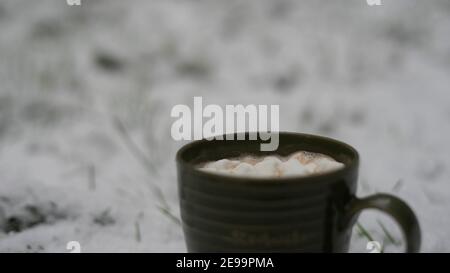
(72, 77)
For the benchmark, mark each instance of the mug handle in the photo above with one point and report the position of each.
(395, 207)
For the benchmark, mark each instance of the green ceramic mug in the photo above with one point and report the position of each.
(295, 214)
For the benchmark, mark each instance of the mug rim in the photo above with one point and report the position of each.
(325, 176)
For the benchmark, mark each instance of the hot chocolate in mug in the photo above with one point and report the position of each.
(313, 213)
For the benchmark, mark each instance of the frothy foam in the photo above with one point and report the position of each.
(297, 164)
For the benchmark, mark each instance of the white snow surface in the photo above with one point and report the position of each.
(374, 77)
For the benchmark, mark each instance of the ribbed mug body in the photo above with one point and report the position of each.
(236, 214)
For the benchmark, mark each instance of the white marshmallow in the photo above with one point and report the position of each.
(293, 167)
(304, 157)
(311, 167)
(244, 169)
(222, 164)
(268, 166)
(325, 164)
(250, 159)
(298, 164)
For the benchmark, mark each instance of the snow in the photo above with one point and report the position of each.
(374, 77)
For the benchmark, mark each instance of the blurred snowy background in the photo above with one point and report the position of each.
(79, 85)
